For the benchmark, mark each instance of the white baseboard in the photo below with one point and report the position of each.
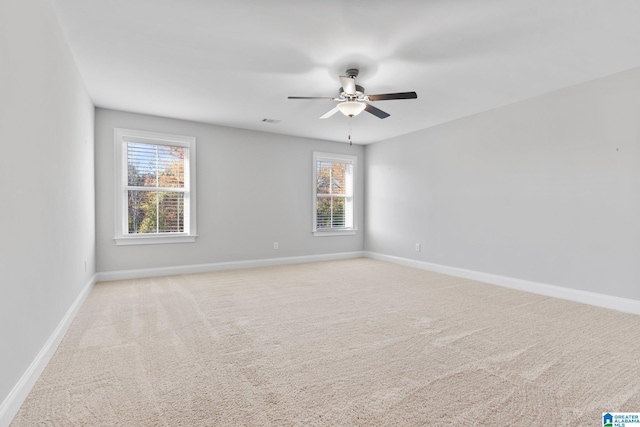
(11, 404)
(607, 301)
(106, 276)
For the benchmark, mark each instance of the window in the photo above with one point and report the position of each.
(333, 188)
(155, 188)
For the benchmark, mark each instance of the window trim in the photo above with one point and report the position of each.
(121, 137)
(319, 156)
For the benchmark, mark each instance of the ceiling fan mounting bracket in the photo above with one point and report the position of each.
(353, 72)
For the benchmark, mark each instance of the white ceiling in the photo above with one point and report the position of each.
(234, 62)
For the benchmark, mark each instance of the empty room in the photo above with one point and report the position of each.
(338, 213)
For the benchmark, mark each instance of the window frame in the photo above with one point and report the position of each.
(334, 158)
(121, 235)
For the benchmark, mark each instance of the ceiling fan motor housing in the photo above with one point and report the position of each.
(358, 95)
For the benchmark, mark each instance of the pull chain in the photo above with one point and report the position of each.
(350, 131)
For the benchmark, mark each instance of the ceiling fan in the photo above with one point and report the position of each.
(352, 100)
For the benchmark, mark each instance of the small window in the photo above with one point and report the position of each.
(333, 188)
(155, 188)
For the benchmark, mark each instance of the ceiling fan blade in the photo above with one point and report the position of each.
(310, 97)
(330, 113)
(387, 96)
(376, 111)
(348, 85)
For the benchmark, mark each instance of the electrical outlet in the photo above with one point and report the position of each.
(417, 247)
(275, 245)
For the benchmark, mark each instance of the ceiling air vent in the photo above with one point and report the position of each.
(272, 121)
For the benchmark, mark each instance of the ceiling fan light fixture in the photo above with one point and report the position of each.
(351, 108)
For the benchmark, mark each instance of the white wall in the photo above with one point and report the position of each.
(253, 189)
(47, 184)
(545, 190)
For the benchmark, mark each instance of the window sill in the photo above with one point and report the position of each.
(327, 233)
(154, 239)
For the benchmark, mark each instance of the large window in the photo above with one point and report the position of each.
(333, 187)
(155, 187)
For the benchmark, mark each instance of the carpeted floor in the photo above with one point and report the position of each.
(341, 343)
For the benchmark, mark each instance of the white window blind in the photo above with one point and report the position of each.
(334, 192)
(155, 188)
(155, 199)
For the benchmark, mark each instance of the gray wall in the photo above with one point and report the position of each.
(546, 190)
(47, 184)
(253, 189)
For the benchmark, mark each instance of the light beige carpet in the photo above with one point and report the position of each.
(342, 343)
